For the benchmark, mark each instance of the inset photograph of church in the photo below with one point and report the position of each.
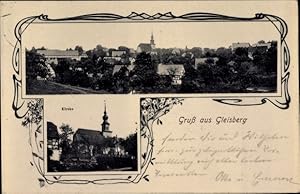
(90, 149)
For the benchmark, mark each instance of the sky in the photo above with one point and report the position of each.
(88, 112)
(166, 35)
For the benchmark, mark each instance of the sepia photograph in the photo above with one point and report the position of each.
(166, 96)
(95, 142)
(132, 61)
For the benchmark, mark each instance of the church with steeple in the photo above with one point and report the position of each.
(88, 139)
(95, 149)
(147, 47)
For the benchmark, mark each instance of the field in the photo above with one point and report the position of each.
(48, 87)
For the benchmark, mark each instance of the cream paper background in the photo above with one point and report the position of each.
(18, 176)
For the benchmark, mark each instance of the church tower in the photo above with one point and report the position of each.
(152, 41)
(105, 124)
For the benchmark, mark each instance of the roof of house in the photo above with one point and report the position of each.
(52, 132)
(203, 59)
(118, 67)
(117, 53)
(231, 63)
(112, 60)
(262, 45)
(88, 136)
(84, 55)
(131, 50)
(176, 51)
(167, 69)
(240, 45)
(58, 53)
(145, 47)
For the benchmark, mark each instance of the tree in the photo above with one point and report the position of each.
(144, 77)
(99, 51)
(206, 73)
(130, 144)
(209, 52)
(272, 58)
(224, 52)
(64, 71)
(80, 78)
(65, 138)
(99, 47)
(222, 71)
(241, 51)
(79, 49)
(124, 48)
(164, 84)
(210, 61)
(266, 59)
(106, 81)
(121, 80)
(197, 51)
(35, 65)
(190, 80)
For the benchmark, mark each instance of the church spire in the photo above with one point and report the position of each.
(152, 41)
(106, 132)
(105, 117)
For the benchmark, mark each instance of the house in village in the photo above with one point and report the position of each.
(234, 46)
(53, 55)
(176, 71)
(176, 51)
(112, 60)
(129, 68)
(132, 52)
(258, 47)
(116, 57)
(118, 53)
(264, 46)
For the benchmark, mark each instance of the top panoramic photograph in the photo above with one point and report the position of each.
(158, 61)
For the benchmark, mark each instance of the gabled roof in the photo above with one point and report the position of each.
(145, 47)
(88, 136)
(52, 132)
(167, 69)
(240, 45)
(49, 52)
(203, 60)
(118, 67)
(262, 45)
(231, 63)
(117, 53)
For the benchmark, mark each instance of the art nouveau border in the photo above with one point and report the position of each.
(30, 110)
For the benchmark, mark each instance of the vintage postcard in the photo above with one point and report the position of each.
(150, 97)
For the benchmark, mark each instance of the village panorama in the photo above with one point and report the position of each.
(85, 149)
(239, 68)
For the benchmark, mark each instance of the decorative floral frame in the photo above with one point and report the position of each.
(31, 110)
